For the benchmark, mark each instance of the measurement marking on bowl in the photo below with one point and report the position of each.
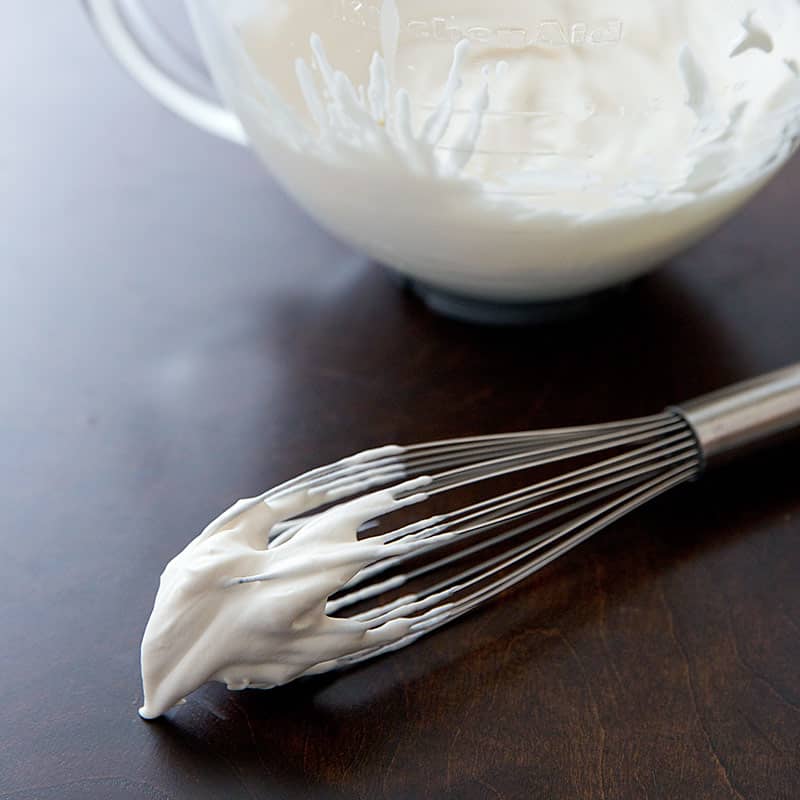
(546, 32)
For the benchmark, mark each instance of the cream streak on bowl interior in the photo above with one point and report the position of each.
(523, 151)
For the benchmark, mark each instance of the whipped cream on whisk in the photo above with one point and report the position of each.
(247, 602)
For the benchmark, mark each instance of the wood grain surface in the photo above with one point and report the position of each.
(176, 334)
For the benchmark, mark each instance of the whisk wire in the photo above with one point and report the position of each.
(533, 558)
(492, 543)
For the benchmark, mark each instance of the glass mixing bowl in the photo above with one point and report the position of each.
(513, 151)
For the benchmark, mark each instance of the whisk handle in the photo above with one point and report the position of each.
(745, 416)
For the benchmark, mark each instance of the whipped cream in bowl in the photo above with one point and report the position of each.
(513, 151)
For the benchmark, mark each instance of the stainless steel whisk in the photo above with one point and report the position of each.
(464, 557)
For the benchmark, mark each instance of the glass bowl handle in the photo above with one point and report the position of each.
(138, 43)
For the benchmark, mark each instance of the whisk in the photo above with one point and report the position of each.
(466, 557)
(337, 568)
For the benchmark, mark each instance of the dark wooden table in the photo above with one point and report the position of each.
(160, 358)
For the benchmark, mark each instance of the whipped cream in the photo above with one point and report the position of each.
(247, 602)
(515, 150)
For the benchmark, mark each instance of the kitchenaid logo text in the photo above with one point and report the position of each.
(543, 33)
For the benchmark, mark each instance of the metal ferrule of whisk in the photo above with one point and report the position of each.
(749, 415)
(594, 475)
